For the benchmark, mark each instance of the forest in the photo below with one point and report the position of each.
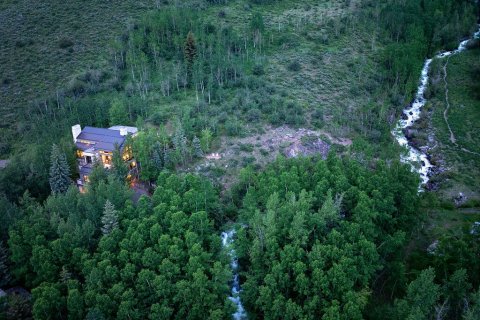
(346, 235)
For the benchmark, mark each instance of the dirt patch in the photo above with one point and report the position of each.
(263, 148)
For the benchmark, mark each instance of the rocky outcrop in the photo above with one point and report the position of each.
(308, 148)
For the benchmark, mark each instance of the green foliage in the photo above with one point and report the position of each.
(206, 139)
(59, 171)
(418, 29)
(294, 66)
(119, 167)
(48, 302)
(422, 295)
(160, 258)
(4, 272)
(305, 221)
(98, 175)
(118, 113)
(323, 239)
(109, 218)
(190, 51)
(197, 147)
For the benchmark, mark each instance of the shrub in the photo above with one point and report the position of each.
(248, 160)
(253, 115)
(65, 43)
(232, 127)
(294, 66)
(77, 87)
(473, 44)
(258, 70)
(248, 147)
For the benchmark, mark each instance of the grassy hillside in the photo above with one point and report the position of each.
(46, 43)
(460, 157)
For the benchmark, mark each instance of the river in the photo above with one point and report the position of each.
(227, 242)
(418, 158)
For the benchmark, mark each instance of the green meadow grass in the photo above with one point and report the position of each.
(44, 44)
(463, 71)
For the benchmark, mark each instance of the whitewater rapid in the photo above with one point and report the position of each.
(418, 158)
(227, 242)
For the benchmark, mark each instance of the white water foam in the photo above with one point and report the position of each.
(418, 158)
(227, 242)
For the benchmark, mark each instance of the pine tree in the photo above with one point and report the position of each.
(59, 171)
(157, 156)
(190, 52)
(190, 49)
(180, 144)
(197, 148)
(4, 273)
(167, 161)
(110, 218)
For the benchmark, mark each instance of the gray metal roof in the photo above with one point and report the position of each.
(99, 139)
(127, 129)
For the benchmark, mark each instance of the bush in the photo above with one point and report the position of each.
(248, 160)
(77, 87)
(473, 44)
(287, 41)
(253, 115)
(65, 43)
(232, 127)
(248, 147)
(258, 70)
(294, 66)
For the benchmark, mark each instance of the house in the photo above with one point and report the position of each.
(98, 144)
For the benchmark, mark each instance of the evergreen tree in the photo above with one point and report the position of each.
(197, 148)
(190, 52)
(110, 218)
(190, 49)
(167, 160)
(180, 144)
(59, 171)
(157, 156)
(4, 273)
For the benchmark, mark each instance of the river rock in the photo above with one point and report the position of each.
(460, 199)
(409, 133)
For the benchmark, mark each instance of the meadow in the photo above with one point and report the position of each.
(461, 158)
(46, 44)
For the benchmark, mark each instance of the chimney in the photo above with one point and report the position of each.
(123, 131)
(76, 130)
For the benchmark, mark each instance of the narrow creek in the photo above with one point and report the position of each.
(418, 158)
(227, 242)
